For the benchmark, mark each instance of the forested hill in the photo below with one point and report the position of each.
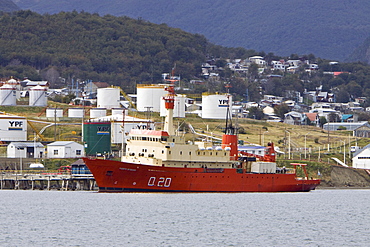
(330, 28)
(362, 53)
(118, 50)
(8, 6)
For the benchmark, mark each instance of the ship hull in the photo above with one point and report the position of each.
(115, 176)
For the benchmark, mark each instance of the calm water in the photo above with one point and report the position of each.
(56, 218)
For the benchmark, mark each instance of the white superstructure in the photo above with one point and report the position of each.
(214, 106)
(149, 96)
(108, 97)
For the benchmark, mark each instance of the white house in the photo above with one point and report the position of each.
(25, 150)
(65, 149)
(361, 158)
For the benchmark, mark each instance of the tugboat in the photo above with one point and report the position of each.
(162, 161)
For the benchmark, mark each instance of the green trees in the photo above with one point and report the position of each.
(119, 50)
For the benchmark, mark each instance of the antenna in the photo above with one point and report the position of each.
(229, 128)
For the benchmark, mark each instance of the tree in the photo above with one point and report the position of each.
(255, 113)
(322, 121)
(281, 109)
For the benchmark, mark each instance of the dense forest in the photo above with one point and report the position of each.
(124, 51)
(330, 29)
(118, 50)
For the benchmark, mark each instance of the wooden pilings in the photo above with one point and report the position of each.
(46, 182)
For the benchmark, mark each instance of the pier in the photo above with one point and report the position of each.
(16, 180)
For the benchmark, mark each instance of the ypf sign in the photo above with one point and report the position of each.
(223, 103)
(15, 125)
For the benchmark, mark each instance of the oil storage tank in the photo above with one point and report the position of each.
(54, 112)
(98, 112)
(179, 109)
(118, 111)
(13, 128)
(149, 96)
(214, 106)
(76, 112)
(38, 96)
(97, 138)
(108, 97)
(8, 95)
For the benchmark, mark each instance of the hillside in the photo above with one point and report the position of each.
(362, 53)
(118, 50)
(329, 29)
(8, 6)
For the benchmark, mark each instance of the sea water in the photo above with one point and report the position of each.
(65, 218)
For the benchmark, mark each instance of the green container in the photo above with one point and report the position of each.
(97, 138)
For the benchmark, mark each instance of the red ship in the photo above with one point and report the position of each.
(161, 161)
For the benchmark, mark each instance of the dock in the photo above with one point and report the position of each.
(15, 180)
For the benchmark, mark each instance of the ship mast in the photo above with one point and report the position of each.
(230, 138)
(170, 105)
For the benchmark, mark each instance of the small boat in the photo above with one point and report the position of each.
(163, 161)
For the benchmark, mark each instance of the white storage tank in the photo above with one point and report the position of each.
(16, 85)
(54, 112)
(7, 95)
(117, 111)
(179, 110)
(108, 97)
(38, 96)
(98, 112)
(214, 106)
(13, 128)
(149, 96)
(76, 112)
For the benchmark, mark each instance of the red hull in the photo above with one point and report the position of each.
(115, 176)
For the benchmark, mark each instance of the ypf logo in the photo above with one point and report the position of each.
(102, 130)
(223, 103)
(15, 125)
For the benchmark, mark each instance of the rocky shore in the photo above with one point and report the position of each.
(345, 177)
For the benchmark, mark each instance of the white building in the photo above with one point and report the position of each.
(25, 150)
(65, 149)
(361, 158)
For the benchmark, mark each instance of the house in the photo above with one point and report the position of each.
(92, 87)
(313, 117)
(65, 149)
(361, 158)
(362, 131)
(25, 150)
(294, 118)
(257, 60)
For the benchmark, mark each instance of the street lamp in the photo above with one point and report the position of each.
(263, 137)
(344, 152)
(305, 145)
(288, 144)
